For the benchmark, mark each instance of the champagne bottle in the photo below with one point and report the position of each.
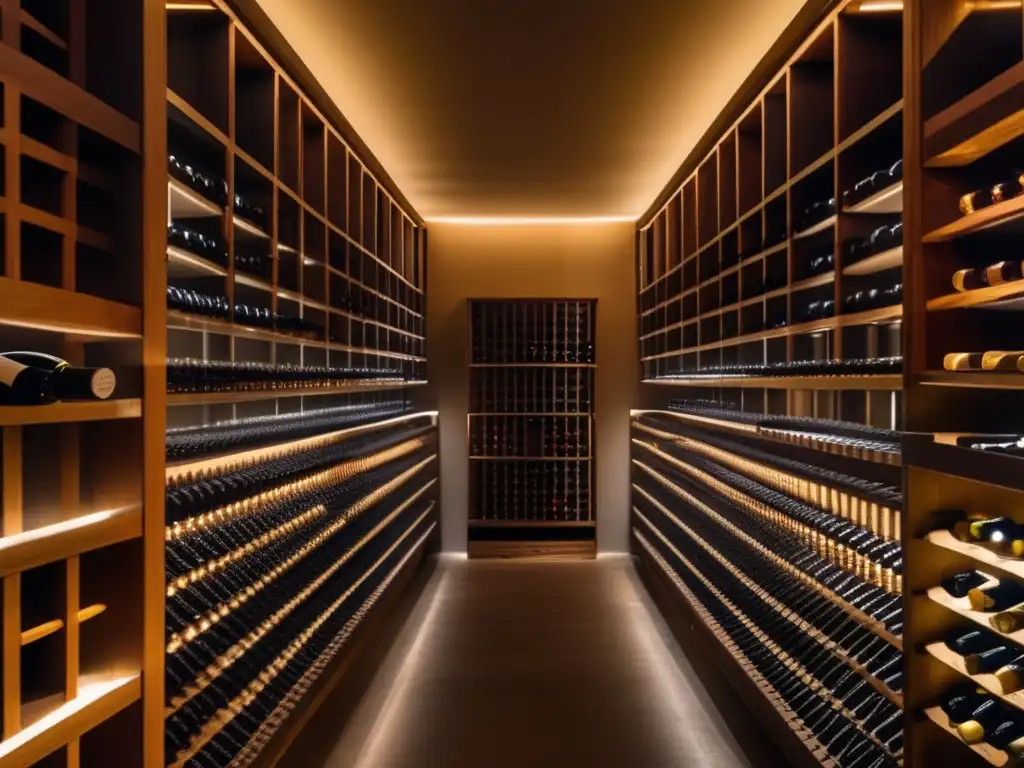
(996, 530)
(34, 378)
(1001, 361)
(1008, 621)
(1011, 676)
(971, 642)
(988, 661)
(997, 598)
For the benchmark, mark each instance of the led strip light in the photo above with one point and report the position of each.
(257, 504)
(856, 613)
(189, 633)
(788, 661)
(272, 670)
(239, 649)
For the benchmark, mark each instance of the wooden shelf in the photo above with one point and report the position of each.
(214, 398)
(888, 200)
(39, 546)
(985, 751)
(946, 540)
(821, 226)
(181, 263)
(982, 121)
(990, 683)
(532, 524)
(974, 379)
(246, 229)
(184, 203)
(1004, 296)
(813, 282)
(962, 607)
(568, 414)
(26, 19)
(80, 316)
(98, 700)
(70, 412)
(992, 216)
(836, 383)
(255, 455)
(878, 263)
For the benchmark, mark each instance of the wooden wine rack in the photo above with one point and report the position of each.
(85, 201)
(824, 111)
(516, 399)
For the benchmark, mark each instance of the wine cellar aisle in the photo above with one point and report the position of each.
(483, 652)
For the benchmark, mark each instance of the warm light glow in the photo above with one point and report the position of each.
(880, 6)
(184, 257)
(189, 7)
(90, 690)
(246, 226)
(521, 221)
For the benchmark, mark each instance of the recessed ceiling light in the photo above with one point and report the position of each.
(512, 221)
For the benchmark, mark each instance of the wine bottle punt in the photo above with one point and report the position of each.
(34, 378)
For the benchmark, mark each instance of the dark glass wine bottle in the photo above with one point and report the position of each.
(34, 378)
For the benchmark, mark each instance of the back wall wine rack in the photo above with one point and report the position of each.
(207, 511)
(531, 423)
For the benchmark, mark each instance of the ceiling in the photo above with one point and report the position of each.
(546, 108)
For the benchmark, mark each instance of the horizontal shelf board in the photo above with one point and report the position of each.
(878, 263)
(980, 122)
(801, 746)
(985, 751)
(244, 228)
(30, 305)
(813, 282)
(974, 379)
(98, 700)
(863, 618)
(837, 383)
(990, 682)
(868, 317)
(572, 414)
(888, 200)
(63, 96)
(70, 412)
(813, 166)
(821, 226)
(981, 466)
(532, 524)
(182, 263)
(183, 321)
(871, 126)
(694, 418)
(980, 297)
(533, 365)
(992, 216)
(174, 469)
(962, 607)
(198, 118)
(31, 549)
(215, 398)
(28, 20)
(529, 458)
(187, 204)
(947, 540)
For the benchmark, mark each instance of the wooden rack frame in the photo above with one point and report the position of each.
(84, 270)
(940, 81)
(522, 401)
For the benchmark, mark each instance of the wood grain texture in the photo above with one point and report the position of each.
(542, 551)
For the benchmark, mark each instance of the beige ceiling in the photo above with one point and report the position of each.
(531, 107)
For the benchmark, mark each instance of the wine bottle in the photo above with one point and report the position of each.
(1009, 620)
(963, 361)
(993, 529)
(988, 661)
(962, 583)
(971, 642)
(34, 378)
(996, 274)
(996, 598)
(985, 716)
(1001, 361)
(1011, 676)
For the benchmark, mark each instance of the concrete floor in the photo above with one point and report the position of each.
(543, 664)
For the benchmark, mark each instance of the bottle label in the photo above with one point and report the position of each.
(9, 370)
(103, 383)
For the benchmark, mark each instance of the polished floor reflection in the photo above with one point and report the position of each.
(540, 664)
